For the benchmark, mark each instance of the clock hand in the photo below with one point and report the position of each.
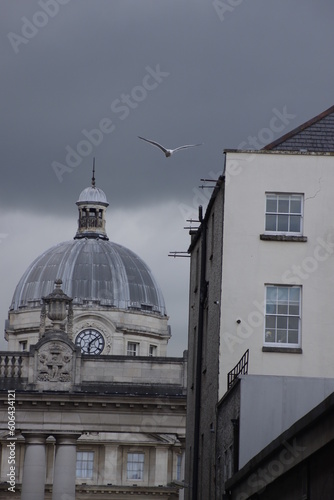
(90, 343)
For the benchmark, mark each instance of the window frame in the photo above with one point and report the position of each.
(153, 350)
(141, 469)
(89, 460)
(276, 344)
(134, 352)
(179, 460)
(289, 214)
(23, 345)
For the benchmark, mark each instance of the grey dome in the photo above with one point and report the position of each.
(93, 271)
(93, 194)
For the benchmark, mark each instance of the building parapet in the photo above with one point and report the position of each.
(39, 370)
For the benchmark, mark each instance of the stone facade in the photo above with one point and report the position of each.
(116, 325)
(107, 406)
(91, 406)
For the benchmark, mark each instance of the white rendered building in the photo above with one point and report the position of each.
(277, 278)
(261, 284)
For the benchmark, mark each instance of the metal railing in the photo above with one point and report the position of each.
(241, 368)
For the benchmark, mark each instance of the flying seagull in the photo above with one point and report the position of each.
(169, 152)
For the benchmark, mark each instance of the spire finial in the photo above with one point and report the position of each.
(93, 178)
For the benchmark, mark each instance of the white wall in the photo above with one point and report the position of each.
(249, 263)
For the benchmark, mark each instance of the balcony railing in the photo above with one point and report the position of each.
(241, 368)
(10, 365)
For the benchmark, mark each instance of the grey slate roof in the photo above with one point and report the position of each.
(315, 135)
(91, 270)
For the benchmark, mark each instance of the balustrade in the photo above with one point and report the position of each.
(10, 366)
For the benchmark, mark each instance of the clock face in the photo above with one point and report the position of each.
(90, 341)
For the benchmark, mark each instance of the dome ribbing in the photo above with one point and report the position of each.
(93, 271)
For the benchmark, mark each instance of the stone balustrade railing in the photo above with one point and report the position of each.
(13, 364)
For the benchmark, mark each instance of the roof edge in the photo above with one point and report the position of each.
(302, 425)
(298, 129)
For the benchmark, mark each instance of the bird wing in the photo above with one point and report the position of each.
(187, 146)
(154, 144)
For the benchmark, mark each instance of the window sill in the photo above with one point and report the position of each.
(283, 237)
(288, 350)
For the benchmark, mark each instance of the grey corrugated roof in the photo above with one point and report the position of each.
(315, 135)
(91, 270)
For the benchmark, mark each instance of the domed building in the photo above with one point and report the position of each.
(99, 407)
(115, 295)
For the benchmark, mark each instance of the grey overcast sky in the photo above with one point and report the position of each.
(84, 78)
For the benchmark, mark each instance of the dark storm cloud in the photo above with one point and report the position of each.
(84, 78)
(225, 75)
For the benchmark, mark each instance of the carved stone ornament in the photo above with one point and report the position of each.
(55, 361)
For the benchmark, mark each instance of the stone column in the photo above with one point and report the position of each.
(161, 466)
(65, 467)
(34, 468)
(110, 464)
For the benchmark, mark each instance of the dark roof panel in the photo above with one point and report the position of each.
(315, 135)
